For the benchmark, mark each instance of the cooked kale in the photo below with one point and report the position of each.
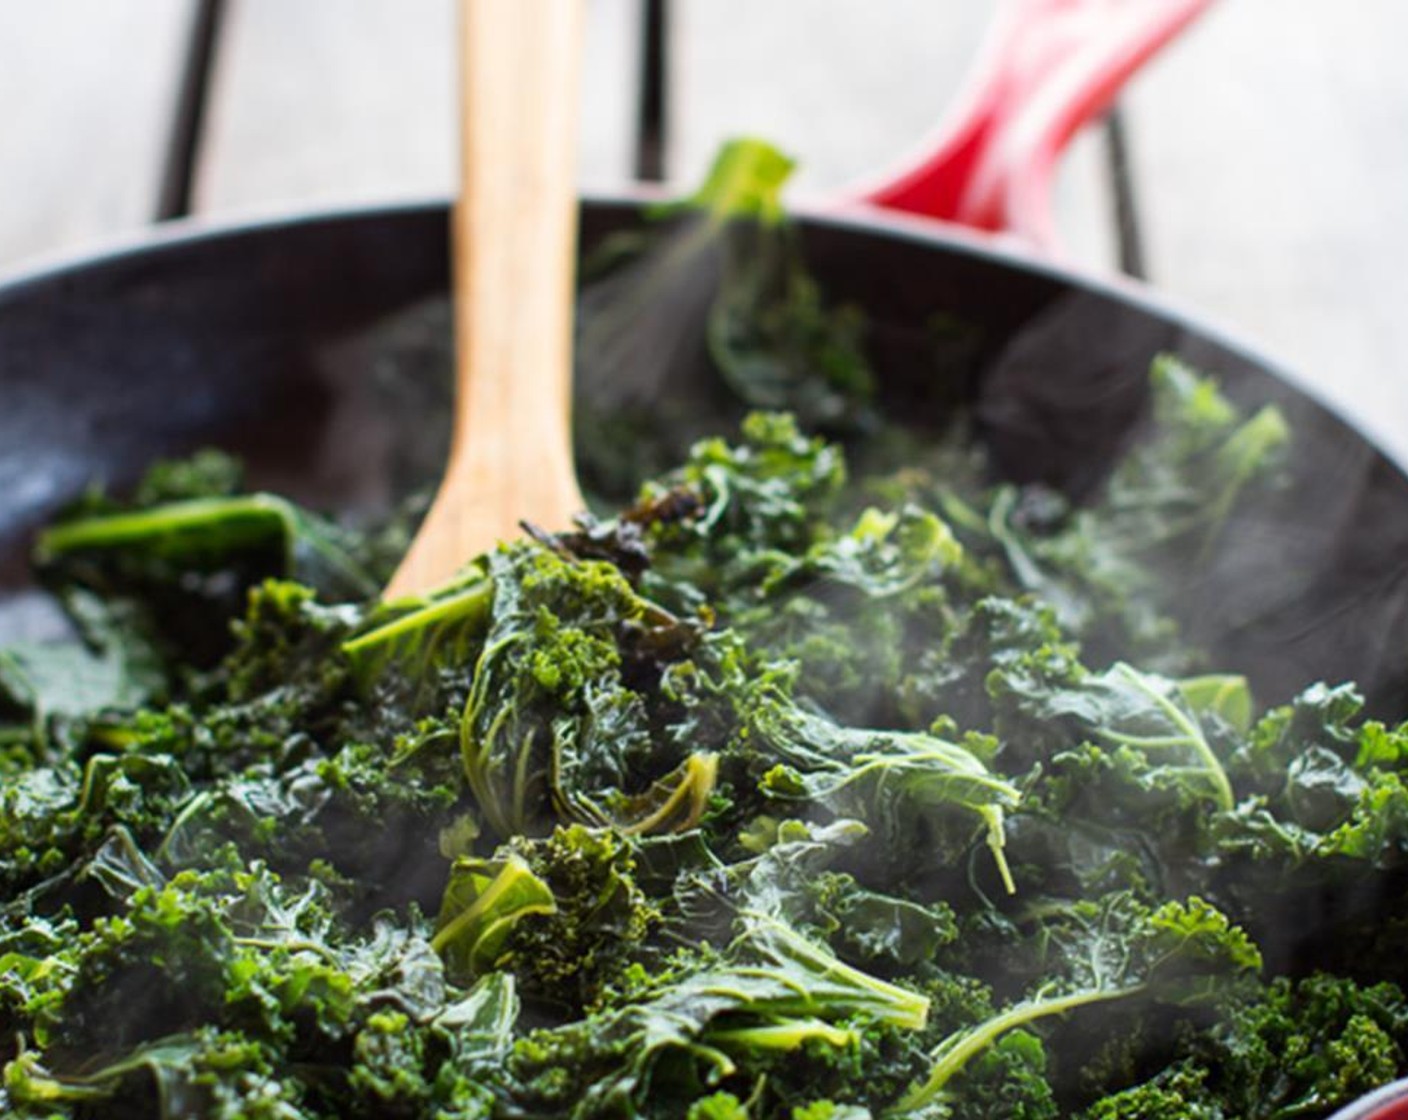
(782, 794)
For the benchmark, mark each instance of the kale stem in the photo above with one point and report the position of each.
(1193, 735)
(294, 945)
(958, 1049)
(114, 530)
(513, 871)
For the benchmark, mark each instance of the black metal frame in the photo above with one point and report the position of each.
(652, 123)
(189, 110)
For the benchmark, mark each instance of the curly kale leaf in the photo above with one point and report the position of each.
(795, 879)
(402, 649)
(563, 914)
(205, 994)
(893, 781)
(769, 491)
(108, 669)
(770, 333)
(1177, 1093)
(1103, 952)
(54, 820)
(1010, 1080)
(1307, 1047)
(855, 610)
(1320, 716)
(246, 532)
(200, 1073)
(775, 992)
(483, 902)
(1299, 1048)
(1166, 721)
(1326, 784)
(174, 566)
(551, 730)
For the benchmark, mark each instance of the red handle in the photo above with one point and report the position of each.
(1388, 1103)
(1049, 67)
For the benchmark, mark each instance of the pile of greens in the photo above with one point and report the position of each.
(792, 791)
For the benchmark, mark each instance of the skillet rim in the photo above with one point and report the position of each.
(192, 232)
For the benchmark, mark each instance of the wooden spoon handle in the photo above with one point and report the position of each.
(514, 250)
(515, 226)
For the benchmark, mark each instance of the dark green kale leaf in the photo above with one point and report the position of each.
(108, 670)
(881, 929)
(1010, 1080)
(562, 913)
(1177, 1093)
(766, 495)
(901, 784)
(484, 901)
(570, 955)
(551, 728)
(199, 1073)
(53, 820)
(1306, 1047)
(854, 610)
(416, 654)
(1322, 822)
(1114, 950)
(797, 878)
(1298, 1048)
(770, 333)
(1124, 707)
(178, 571)
(774, 992)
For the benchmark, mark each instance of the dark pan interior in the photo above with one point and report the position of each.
(318, 349)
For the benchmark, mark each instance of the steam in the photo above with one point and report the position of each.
(642, 323)
(645, 389)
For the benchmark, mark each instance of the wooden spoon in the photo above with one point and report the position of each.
(513, 253)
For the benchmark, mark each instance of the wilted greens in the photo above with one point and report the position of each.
(793, 791)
